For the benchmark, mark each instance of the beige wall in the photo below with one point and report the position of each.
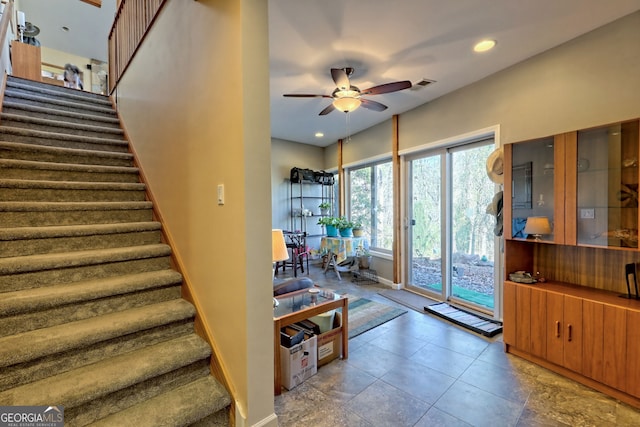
(591, 80)
(194, 102)
(59, 58)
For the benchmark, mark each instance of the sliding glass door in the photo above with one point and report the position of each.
(450, 234)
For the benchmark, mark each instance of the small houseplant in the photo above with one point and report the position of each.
(345, 227)
(358, 231)
(331, 225)
(325, 208)
(364, 257)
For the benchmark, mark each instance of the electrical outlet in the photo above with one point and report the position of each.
(587, 213)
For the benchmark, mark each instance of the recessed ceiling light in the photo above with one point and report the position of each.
(319, 134)
(65, 29)
(484, 45)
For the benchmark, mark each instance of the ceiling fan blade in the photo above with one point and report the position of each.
(387, 87)
(341, 78)
(305, 95)
(372, 105)
(327, 110)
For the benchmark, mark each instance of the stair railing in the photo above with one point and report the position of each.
(6, 34)
(132, 21)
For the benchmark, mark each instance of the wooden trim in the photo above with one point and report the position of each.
(96, 3)
(569, 191)
(507, 215)
(217, 367)
(559, 156)
(341, 181)
(132, 22)
(397, 211)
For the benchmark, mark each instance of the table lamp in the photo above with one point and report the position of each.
(279, 250)
(537, 226)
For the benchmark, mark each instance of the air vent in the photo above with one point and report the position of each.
(422, 83)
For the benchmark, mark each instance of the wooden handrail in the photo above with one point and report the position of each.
(132, 21)
(4, 23)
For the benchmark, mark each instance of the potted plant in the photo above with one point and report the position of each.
(331, 225)
(364, 257)
(358, 231)
(345, 227)
(325, 208)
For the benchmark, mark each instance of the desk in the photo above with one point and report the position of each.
(343, 247)
(300, 305)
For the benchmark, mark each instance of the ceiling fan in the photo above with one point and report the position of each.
(347, 97)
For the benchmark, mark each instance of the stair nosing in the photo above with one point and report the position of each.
(83, 333)
(62, 136)
(71, 167)
(65, 150)
(54, 92)
(73, 206)
(29, 233)
(52, 111)
(11, 93)
(60, 124)
(34, 83)
(33, 263)
(37, 299)
(71, 185)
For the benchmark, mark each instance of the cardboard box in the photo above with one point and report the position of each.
(299, 362)
(330, 342)
(290, 336)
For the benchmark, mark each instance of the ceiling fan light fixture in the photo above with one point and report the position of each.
(347, 104)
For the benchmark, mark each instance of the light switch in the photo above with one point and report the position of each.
(221, 194)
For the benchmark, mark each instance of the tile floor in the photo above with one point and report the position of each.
(418, 370)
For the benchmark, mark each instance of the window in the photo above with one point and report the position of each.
(370, 198)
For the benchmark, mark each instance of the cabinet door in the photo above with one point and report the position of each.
(509, 325)
(632, 376)
(564, 331)
(538, 317)
(554, 327)
(615, 344)
(523, 318)
(607, 184)
(572, 351)
(593, 339)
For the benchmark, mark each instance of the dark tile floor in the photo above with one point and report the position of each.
(418, 370)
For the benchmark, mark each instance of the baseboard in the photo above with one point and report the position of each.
(269, 421)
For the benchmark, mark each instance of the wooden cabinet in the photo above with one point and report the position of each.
(576, 331)
(26, 61)
(586, 182)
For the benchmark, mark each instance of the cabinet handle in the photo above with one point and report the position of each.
(569, 332)
(557, 329)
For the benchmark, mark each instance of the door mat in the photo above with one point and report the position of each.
(409, 299)
(466, 319)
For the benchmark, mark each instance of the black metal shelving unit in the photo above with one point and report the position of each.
(308, 190)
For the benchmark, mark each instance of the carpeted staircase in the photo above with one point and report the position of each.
(91, 314)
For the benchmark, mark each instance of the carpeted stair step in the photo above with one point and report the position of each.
(52, 171)
(40, 299)
(34, 271)
(82, 308)
(84, 333)
(45, 100)
(14, 190)
(20, 151)
(47, 125)
(128, 379)
(35, 86)
(180, 407)
(51, 139)
(34, 214)
(36, 111)
(23, 241)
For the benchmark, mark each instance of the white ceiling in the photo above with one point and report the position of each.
(384, 41)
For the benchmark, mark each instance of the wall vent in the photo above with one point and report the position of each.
(422, 83)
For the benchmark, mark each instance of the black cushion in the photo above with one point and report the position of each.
(292, 285)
